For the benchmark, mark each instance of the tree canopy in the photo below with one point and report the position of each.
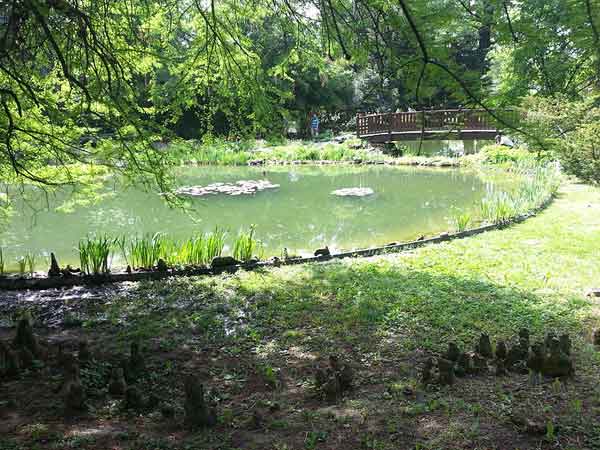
(142, 71)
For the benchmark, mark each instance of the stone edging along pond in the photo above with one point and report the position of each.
(37, 283)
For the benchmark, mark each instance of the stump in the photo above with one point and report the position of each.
(117, 386)
(83, 354)
(197, 412)
(133, 399)
(446, 371)
(557, 364)
(453, 352)
(501, 350)
(484, 348)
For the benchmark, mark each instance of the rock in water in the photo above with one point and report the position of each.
(323, 252)
(453, 352)
(197, 412)
(54, 267)
(446, 371)
(501, 350)
(117, 386)
(484, 347)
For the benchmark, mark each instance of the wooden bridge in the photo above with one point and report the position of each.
(461, 124)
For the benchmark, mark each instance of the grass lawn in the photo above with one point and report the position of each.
(255, 338)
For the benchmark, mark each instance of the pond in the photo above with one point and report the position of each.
(301, 214)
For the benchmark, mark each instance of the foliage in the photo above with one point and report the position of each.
(537, 186)
(245, 245)
(94, 253)
(221, 152)
(145, 251)
(570, 131)
(499, 154)
(461, 220)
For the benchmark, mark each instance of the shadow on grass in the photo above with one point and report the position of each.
(345, 303)
(237, 331)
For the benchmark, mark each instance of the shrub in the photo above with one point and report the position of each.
(500, 154)
(568, 130)
(580, 153)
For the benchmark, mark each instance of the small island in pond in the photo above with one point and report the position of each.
(353, 192)
(242, 187)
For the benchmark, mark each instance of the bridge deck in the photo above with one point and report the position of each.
(449, 124)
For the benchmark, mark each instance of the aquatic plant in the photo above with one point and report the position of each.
(215, 242)
(245, 244)
(30, 259)
(145, 251)
(94, 253)
(461, 220)
(22, 264)
(194, 251)
(498, 207)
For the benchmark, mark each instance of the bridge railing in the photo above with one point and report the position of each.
(440, 120)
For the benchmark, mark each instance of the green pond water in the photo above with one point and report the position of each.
(301, 214)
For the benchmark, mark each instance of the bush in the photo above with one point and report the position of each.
(580, 153)
(500, 154)
(568, 130)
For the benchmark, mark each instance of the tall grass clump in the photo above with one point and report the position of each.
(22, 264)
(215, 242)
(499, 207)
(192, 251)
(30, 261)
(461, 220)
(1, 262)
(94, 254)
(245, 245)
(145, 251)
